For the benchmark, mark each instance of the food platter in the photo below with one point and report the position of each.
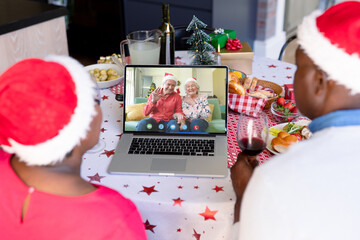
(281, 126)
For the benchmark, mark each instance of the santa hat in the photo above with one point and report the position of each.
(46, 107)
(192, 80)
(169, 76)
(331, 40)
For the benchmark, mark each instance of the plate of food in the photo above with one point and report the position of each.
(283, 135)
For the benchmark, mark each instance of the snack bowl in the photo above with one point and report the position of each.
(106, 67)
(282, 116)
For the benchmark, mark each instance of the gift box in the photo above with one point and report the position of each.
(289, 92)
(240, 59)
(220, 39)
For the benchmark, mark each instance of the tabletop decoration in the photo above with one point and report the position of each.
(220, 36)
(201, 51)
(233, 44)
(240, 59)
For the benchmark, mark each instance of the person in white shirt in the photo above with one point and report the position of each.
(311, 191)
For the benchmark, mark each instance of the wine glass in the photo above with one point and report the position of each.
(252, 133)
(101, 143)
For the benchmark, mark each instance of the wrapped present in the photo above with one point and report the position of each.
(289, 92)
(240, 59)
(221, 38)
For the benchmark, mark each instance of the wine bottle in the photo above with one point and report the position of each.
(167, 50)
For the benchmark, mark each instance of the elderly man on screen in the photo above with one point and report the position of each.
(311, 191)
(163, 108)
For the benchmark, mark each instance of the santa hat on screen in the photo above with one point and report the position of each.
(192, 80)
(169, 76)
(46, 107)
(332, 41)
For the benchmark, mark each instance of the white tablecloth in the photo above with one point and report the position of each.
(173, 207)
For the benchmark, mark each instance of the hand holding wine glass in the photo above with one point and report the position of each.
(252, 133)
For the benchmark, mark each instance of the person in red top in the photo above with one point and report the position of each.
(49, 118)
(164, 108)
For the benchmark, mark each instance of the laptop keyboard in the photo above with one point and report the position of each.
(161, 146)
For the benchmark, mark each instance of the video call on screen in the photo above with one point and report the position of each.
(140, 81)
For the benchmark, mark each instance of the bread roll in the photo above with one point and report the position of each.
(233, 78)
(253, 84)
(283, 141)
(236, 88)
(247, 83)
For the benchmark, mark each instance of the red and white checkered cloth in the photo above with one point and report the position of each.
(246, 104)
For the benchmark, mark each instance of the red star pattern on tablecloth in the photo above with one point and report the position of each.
(149, 190)
(196, 187)
(148, 226)
(180, 187)
(208, 214)
(196, 235)
(178, 230)
(105, 97)
(96, 177)
(288, 77)
(121, 105)
(288, 68)
(218, 189)
(178, 201)
(272, 66)
(108, 153)
(118, 120)
(119, 135)
(102, 130)
(126, 185)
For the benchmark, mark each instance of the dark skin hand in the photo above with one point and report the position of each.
(241, 173)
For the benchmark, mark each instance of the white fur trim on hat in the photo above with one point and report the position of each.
(169, 77)
(339, 65)
(191, 80)
(55, 149)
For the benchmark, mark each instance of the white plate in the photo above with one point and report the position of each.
(281, 126)
(110, 83)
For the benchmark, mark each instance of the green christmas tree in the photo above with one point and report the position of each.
(201, 50)
(151, 89)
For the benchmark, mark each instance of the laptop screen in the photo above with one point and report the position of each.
(176, 99)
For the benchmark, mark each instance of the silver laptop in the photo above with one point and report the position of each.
(181, 153)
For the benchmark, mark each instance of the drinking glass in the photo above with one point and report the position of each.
(252, 133)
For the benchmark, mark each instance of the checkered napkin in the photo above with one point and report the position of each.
(246, 104)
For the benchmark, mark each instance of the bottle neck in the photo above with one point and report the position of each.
(166, 15)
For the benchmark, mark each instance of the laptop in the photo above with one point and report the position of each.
(154, 151)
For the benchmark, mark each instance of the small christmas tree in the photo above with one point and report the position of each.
(201, 50)
(151, 89)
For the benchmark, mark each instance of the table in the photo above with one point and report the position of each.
(176, 207)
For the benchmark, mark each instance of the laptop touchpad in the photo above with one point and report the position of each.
(168, 164)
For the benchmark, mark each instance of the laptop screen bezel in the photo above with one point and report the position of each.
(166, 133)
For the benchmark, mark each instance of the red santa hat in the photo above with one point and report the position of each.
(46, 107)
(169, 76)
(331, 40)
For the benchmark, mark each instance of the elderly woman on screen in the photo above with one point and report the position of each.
(195, 107)
(163, 108)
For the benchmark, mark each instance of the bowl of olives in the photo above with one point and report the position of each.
(106, 75)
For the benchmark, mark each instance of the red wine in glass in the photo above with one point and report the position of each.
(252, 133)
(252, 146)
